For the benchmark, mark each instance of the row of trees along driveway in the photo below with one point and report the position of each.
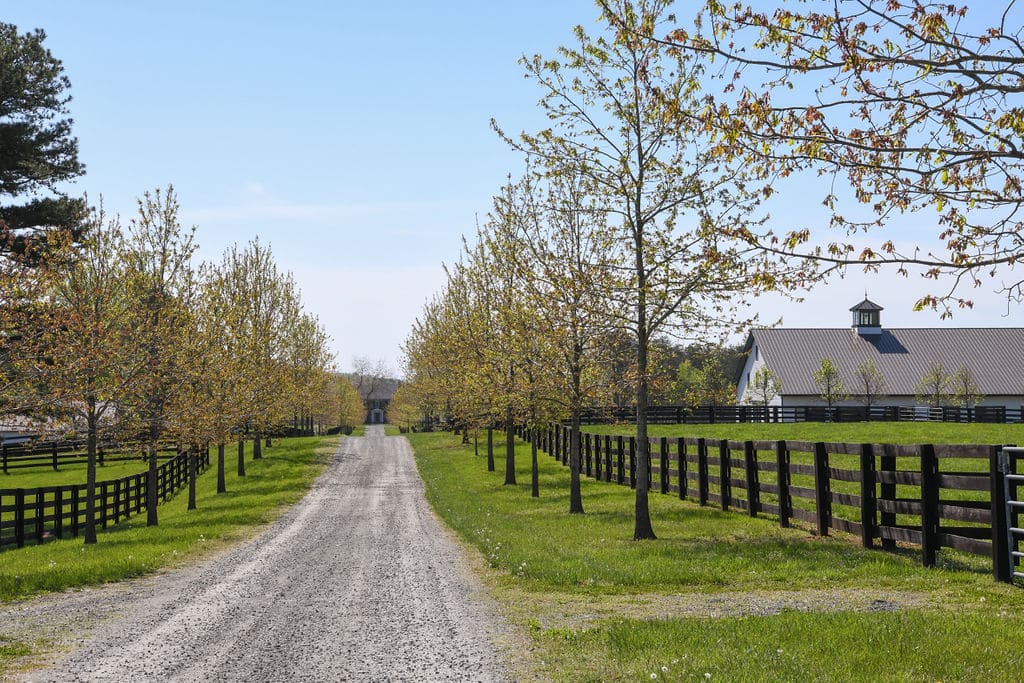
(644, 205)
(114, 330)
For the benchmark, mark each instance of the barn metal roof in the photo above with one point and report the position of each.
(995, 355)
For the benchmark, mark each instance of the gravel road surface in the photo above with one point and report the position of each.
(359, 581)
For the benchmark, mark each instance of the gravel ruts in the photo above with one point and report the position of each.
(357, 582)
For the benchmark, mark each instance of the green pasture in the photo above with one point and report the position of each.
(836, 432)
(600, 606)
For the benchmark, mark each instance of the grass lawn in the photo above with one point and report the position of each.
(130, 549)
(718, 593)
(66, 475)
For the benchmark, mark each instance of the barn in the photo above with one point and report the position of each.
(993, 355)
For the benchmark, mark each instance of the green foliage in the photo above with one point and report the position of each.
(869, 383)
(964, 390)
(764, 386)
(36, 145)
(933, 389)
(830, 382)
(704, 377)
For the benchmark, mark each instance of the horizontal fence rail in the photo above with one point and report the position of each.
(36, 515)
(933, 496)
(55, 454)
(772, 414)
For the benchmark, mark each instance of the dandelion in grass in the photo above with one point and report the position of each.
(664, 669)
(653, 676)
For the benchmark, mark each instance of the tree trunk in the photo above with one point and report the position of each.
(642, 529)
(192, 455)
(510, 448)
(222, 486)
(257, 446)
(241, 456)
(534, 471)
(490, 448)
(575, 459)
(269, 442)
(90, 474)
(152, 476)
(476, 443)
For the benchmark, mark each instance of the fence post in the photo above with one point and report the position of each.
(58, 512)
(632, 462)
(3, 448)
(1001, 568)
(664, 465)
(19, 517)
(76, 496)
(103, 504)
(589, 454)
(887, 491)
(608, 457)
(597, 457)
(822, 489)
(54, 456)
(724, 473)
(782, 477)
(117, 501)
(929, 505)
(753, 489)
(565, 444)
(702, 471)
(868, 504)
(622, 461)
(681, 462)
(40, 514)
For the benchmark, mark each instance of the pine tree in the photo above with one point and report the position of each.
(37, 150)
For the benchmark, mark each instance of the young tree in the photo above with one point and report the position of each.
(764, 386)
(963, 389)
(870, 383)
(933, 389)
(159, 279)
(915, 102)
(83, 355)
(619, 109)
(554, 236)
(830, 383)
(36, 144)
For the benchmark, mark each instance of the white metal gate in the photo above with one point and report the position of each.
(1010, 460)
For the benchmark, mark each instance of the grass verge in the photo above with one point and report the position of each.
(718, 594)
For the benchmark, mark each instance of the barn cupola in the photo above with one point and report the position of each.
(866, 318)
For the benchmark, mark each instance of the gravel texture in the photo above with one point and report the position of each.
(359, 581)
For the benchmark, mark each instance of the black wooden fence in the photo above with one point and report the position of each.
(744, 414)
(53, 454)
(36, 515)
(934, 496)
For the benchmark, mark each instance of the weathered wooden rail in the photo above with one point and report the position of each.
(35, 515)
(934, 496)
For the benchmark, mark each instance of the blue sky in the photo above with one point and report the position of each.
(352, 136)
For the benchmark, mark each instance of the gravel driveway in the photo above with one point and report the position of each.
(359, 581)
